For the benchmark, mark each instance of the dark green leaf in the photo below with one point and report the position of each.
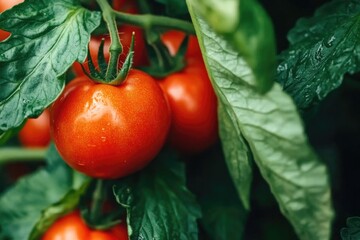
(247, 27)
(273, 130)
(323, 49)
(159, 206)
(37, 200)
(352, 232)
(47, 37)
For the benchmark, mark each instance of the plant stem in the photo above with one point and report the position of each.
(115, 46)
(17, 154)
(148, 21)
(97, 200)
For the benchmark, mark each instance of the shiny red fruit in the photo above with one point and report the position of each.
(109, 131)
(193, 103)
(72, 227)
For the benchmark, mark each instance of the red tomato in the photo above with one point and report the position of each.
(72, 227)
(125, 34)
(193, 103)
(5, 5)
(173, 39)
(109, 131)
(36, 131)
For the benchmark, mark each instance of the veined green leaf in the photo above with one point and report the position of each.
(247, 27)
(47, 37)
(273, 130)
(323, 49)
(159, 206)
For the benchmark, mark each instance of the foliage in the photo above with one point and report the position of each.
(260, 127)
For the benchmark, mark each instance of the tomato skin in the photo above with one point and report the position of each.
(72, 227)
(173, 39)
(5, 5)
(193, 103)
(69, 227)
(36, 131)
(108, 131)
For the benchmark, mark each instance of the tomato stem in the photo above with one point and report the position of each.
(148, 21)
(19, 154)
(97, 200)
(115, 46)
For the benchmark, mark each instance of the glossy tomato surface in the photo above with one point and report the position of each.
(109, 131)
(72, 227)
(5, 5)
(36, 131)
(69, 227)
(193, 103)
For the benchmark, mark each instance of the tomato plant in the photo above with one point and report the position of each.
(125, 33)
(276, 111)
(120, 119)
(73, 227)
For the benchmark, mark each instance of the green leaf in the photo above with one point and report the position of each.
(28, 208)
(249, 30)
(322, 50)
(237, 153)
(47, 37)
(352, 231)
(273, 130)
(158, 204)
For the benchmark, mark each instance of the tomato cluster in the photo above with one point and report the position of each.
(73, 227)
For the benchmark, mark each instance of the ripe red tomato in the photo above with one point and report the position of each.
(173, 39)
(36, 131)
(5, 5)
(193, 103)
(72, 227)
(110, 131)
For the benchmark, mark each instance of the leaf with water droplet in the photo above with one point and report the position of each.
(322, 50)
